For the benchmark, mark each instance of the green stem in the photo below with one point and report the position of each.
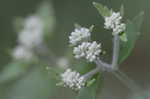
(91, 73)
(116, 50)
(127, 81)
(136, 89)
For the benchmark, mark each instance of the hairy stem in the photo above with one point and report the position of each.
(113, 67)
(104, 66)
(127, 81)
(115, 56)
(116, 49)
(131, 84)
(91, 73)
(120, 75)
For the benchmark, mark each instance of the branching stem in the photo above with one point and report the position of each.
(91, 73)
(102, 66)
(126, 81)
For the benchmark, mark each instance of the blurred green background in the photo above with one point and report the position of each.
(68, 12)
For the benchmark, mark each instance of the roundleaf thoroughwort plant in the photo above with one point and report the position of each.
(124, 33)
(85, 76)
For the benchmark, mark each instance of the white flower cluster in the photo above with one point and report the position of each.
(63, 62)
(114, 22)
(79, 35)
(32, 33)
(20, 52)
(85, 49)
(72, 79)
(88, 50)
(29, 37)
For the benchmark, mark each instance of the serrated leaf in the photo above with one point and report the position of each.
(103, 10)
(132, 32)
(90, 92)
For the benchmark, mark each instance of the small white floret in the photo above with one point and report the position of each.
(113, 20)
(88, 50)
(72, 79)
(80, 50)
(119, 29)
(79, 35)
(93, 51)
(63, 62)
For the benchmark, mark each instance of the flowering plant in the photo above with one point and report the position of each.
(84, 47)
(82, 71)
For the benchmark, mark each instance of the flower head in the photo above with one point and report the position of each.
(80, 50)
(22, 53)
(63, 62)
(33, 22)
(88, 50)
(93, 51)
(72, 79)
(79, 35)
(32, 33)
(113, 20)
(119, 29)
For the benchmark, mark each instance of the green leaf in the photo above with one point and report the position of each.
(78, 26)
(91, 28)
(91, 91)
(122, 10)
(123, 37)
(137, 97)
(18, 24)
(103, 10)
(34, 85)
(12, 71)
(138, 20)
(54, 72)
(132, 32)
(45, 9)
(140, 95)
(89, 83)
(46, 12)
(82, 67)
